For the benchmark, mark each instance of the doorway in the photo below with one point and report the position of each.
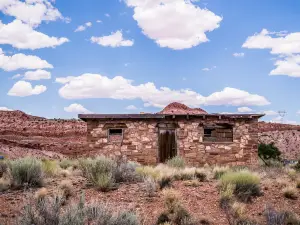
(167, 144)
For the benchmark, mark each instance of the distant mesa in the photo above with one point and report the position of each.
(177, 108)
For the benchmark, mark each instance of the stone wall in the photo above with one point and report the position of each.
(140, 141)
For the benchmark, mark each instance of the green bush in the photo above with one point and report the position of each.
(246, 184)
(218, 171)
(26, 172)
(176, 162)
(268, 152)
(105, 173)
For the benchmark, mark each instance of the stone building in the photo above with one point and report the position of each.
(197, 136)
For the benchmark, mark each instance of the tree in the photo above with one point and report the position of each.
(268, 152)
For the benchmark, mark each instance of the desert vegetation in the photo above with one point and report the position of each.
(102, 190)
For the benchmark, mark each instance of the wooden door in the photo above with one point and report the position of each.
(167, 145)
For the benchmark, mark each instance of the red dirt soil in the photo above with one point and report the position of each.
(202, 201)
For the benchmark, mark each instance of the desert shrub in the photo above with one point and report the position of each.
(290, 192)
(4, 184)
(226, 195)
(99, 171)
(26, 172)
(184, 174)
(41, 193)
(298, 183)
(171, 199)
(246, 184)
(218, 172)
(50, 167)
(238, 210)
(105, 173)
(126, 171)
(150, 186)
(164, 181)
(292, 174)
(148, 171)
(268, 152)
(124, 218)
(176, 162)
(3, 167)
(49, 211)
(201, 175)
(175, 213)
(191, 183)
(66, 163)
(66, 188)
(274, 217)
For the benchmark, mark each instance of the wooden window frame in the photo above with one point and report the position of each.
(109, 134)
(218, 136)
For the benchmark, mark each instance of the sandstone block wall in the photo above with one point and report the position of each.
(140, 141)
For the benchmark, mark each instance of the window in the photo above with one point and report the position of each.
(115, 135)
(218, 133)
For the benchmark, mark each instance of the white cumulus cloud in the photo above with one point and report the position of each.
(76, 108)
(175, 24)
(239, 54)
(5, 109)
(21, 61)
(131, 107)
(114, 40)
(98, 86)
(244, 110)
(83, 27)
(23, 36)
(285, 45)
(270, 112)
(37, 75)
(32, 12)
(24, 88)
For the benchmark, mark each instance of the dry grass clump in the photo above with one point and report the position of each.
(64, 173)
(66, 189)
(49, 211)
(226, 195)
(292, 174)
(26, 172)
(50, 167)
(176, 162)
(191, 183)
(274, 217)
(148, 171)
(175, 213)
(218, 171)
(290, 192)
(4, 183)
(67, 163)
(150, 186)
(246, 184)
(298, 183)
(41, 193)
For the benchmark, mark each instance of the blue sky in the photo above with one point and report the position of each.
(135, 56)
